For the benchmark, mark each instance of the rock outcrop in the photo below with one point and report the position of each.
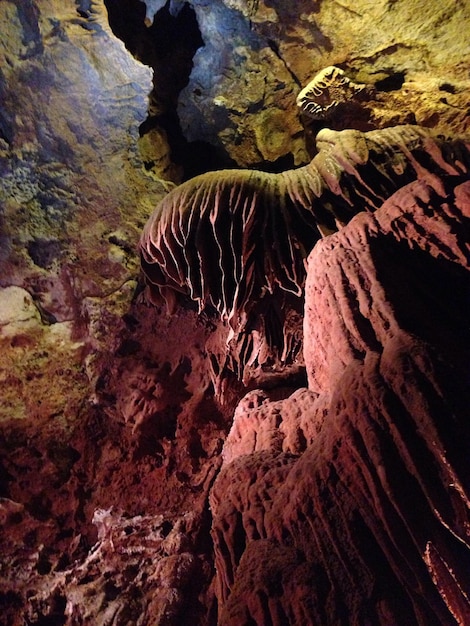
(154, 469)
(348, 503)
(243, 63)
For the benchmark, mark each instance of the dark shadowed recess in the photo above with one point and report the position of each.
(432, 303)
(168, 47)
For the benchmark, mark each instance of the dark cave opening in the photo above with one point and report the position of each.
(168, 46)
(392, 82)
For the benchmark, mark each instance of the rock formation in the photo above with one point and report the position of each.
(349, 501)
(236, 240)
(329, 91)
(289, 444)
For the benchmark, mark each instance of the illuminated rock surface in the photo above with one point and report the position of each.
(153, 470)
(236, 240)
(379, 498)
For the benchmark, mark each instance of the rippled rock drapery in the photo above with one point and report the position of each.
(329, 91)
(370, 523)
(236, 241)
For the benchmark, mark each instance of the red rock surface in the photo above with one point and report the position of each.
(369, 525)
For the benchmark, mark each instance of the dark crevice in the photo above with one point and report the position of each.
(393, 82)
(275, 48)
(448, 87)
(84, 8)
(167, 46)
(194, 157)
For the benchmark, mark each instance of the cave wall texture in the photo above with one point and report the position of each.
(239, 399)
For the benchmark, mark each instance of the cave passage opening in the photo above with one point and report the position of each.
(166, 41)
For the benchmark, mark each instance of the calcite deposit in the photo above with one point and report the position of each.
(329, 94)
(267, 421)
(378, 500)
